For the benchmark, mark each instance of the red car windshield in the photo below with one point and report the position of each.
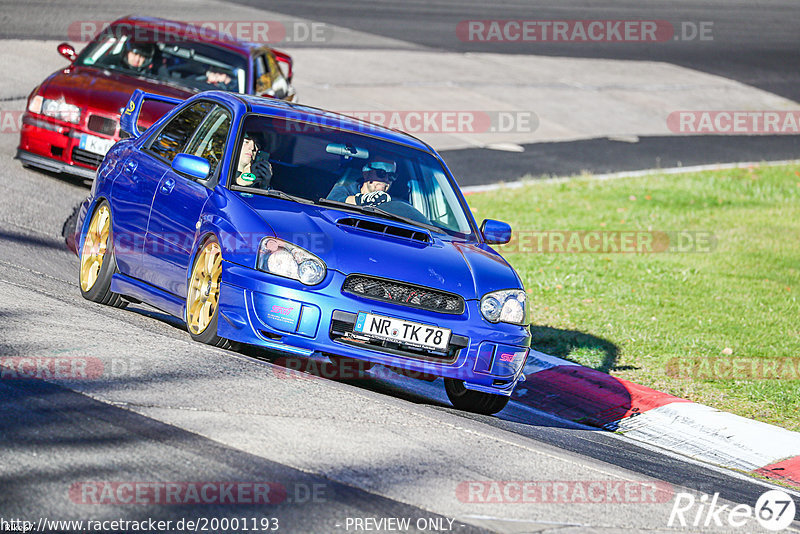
(194, 65)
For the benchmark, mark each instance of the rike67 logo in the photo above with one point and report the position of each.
(774, 510)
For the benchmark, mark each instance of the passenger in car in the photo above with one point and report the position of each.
(253, 168)
(219, 79)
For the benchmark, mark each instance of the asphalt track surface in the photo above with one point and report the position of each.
(601, 156)
(755, 43)
(378, 447)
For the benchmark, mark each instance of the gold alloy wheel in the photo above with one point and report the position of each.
(201, 303)
(95, 247)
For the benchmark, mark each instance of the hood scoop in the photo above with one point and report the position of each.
(385, 229)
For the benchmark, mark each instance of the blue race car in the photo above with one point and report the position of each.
(268, 223)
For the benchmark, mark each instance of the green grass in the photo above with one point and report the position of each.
(632, 314)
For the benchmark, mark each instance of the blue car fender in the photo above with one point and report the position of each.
(240, 241)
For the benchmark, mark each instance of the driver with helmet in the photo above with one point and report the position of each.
(138, 57)
(376, 178)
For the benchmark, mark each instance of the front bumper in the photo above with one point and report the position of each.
(54, 146)
(262, 309)
(53, 165)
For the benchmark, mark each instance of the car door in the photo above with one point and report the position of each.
(154, 161)
(178, 204)
(280, 85)
(131, 197)
(269, 79)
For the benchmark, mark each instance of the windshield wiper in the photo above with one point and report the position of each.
(373, 210)
(275, 193)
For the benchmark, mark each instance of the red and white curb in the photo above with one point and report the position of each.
(594, 398)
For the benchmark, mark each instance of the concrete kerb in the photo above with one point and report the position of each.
(581, 394)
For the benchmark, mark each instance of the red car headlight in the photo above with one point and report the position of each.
(58, 109)
(35, 105)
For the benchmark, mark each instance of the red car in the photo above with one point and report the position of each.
(72, 117)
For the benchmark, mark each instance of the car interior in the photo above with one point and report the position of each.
(308, 161)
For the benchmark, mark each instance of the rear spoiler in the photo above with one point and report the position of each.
(130, 116)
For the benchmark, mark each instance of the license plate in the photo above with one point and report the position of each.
(97, 145)
(404, 332)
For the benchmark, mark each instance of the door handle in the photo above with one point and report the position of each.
(167, 186)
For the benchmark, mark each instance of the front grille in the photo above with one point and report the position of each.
(404, 294)
(102, 125)
(342, 329)
(88, 158)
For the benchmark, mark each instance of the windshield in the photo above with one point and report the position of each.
(190, 64)
(347, 170)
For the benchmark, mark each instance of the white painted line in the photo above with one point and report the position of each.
(712, 435)
(506, 147)
(627, 174)
(696, 431)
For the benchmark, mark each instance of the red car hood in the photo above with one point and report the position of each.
(104, 90)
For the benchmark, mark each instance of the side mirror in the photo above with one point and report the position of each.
(495, 232)
(66, 50)
(193, 166)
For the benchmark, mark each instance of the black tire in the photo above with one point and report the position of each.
(69, 231)
(473, 401)
(100, 289)
(208, 335)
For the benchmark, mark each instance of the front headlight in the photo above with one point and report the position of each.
(280, 257)
(35, 105)
(58, 109)
(506, 306)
